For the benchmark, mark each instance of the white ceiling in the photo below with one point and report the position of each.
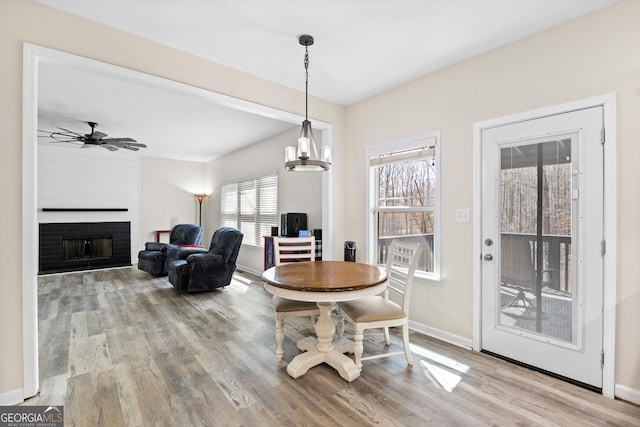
(362, 47)
(174, 122)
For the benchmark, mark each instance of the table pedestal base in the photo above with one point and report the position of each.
(311, 343)
(334, 358)
(324, 350)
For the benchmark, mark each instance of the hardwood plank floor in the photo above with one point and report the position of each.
(121, 348)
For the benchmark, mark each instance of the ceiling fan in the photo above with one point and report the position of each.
(95, 138)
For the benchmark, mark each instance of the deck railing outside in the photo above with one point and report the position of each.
(556, 252)
(426, 259)
(556, 261)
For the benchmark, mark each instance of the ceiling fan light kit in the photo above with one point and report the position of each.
(94, 138)
(304, 157)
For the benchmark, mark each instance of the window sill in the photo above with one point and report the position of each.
(422, 277)
(427, 279)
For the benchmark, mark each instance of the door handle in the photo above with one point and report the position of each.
(487, 257)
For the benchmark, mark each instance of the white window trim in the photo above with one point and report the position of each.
(409, 143)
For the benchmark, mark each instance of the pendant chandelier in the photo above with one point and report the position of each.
(304, 157)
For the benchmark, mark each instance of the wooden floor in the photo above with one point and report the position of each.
(121, 348)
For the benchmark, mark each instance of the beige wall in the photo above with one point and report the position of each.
(24, 21)
(591, 56)
(166, 189)
(297, 192)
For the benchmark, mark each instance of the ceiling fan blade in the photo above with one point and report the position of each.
(117, 142)
(57, 139)
(130, 148)
(68, 141)
(59, 136)
(111, 140)
(70, 131)
(138, 144)
(109, 147)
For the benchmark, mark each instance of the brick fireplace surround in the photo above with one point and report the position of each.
(83, 246)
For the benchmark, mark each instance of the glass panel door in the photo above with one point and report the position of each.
(536, 209)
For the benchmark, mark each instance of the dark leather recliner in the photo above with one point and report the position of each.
(155, 257)
(197, 271)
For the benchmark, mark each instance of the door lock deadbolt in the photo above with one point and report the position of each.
(488, 242)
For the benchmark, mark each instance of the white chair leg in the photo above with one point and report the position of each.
(387, 339)
(279, 338)
(358, 346)
(407, 346)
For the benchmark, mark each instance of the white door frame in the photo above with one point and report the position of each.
(608, 102)
(32, 54)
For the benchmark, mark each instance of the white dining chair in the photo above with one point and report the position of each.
(381, 312)
(286, 250)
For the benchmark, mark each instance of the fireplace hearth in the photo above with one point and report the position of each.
(84, 246)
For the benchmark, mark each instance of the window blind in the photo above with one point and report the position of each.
(251, 206)
(421, 153)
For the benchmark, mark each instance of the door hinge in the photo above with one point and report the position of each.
(603, 247)
(602, 136)
(602, 358)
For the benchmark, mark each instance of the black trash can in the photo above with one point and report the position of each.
(350, 251)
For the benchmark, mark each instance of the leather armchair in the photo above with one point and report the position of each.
(155, 257)
(197, 271)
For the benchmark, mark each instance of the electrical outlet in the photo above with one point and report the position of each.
(462, 215)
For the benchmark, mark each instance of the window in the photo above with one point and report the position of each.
(404, 188)
(251, 205)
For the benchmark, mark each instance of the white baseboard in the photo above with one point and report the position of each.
(627, 393)
(249, 270)
(12, 397)
(441, 335)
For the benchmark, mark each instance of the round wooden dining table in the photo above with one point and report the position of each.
(325, 283)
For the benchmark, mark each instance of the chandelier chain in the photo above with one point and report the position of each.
(306, 83)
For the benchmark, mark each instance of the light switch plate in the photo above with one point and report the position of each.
(462, 215)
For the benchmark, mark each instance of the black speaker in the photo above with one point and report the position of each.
(274, 231)
(292, 223)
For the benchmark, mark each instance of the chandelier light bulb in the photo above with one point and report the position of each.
(303, 147)
(290, 153)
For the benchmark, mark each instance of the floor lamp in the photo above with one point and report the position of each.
(200, 198)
